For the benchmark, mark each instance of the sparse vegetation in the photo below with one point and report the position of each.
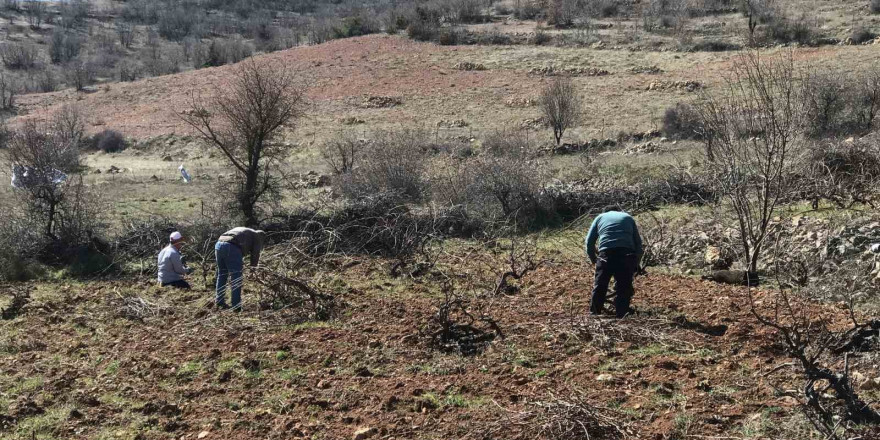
(562, 106)
(244, 123)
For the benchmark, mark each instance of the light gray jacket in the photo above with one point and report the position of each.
(171, 267)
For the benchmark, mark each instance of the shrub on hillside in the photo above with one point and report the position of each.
(682, 122)
(842, 173)
(861, 35)
(790, 30)
(422, 31)
(395, 162)
(355, 26)
(227, 51)
(875, 6)
(64, 46)
(541, 38)
(19, 56)
(451, 36)
(109, 141)
(178, 23)
(527, 10)
(840, 103)
(424, 24)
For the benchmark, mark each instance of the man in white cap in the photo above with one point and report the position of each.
(171, 268)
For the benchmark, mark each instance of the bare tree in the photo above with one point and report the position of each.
(35, 11)
(561, 106)
(42, 154)
(244, 122)
(341, 152)
(754, 121)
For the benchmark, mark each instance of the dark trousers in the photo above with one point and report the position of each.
(180, 284)
(622, 264)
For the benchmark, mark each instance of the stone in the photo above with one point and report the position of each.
(365, 432)
(871, 384)
(167, 158)
(204, 434)
(604, 378)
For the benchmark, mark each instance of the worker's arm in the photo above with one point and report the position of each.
(590, 242)
(637, 239)
(255, 251)
(177, 264)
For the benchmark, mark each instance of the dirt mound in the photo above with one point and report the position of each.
(567, 71)
(650, 70)
(520, 102)
(689, 86)
(380, 101)
(468, 66)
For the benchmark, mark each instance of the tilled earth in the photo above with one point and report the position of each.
(693, 363)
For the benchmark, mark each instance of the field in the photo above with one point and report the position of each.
(109, 354)
(74, 367)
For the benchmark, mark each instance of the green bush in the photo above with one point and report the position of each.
(354, 27)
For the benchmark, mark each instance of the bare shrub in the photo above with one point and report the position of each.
(783, 29)
(425, 25)
(295, 297)
(342, 152)
(840, 103)
(541, 38)
(19, 56)
(504, 182)
(682, 122)
(129, 70)
(125, 33)
(48, 152)
(64, 46)
(35, 12)
(756, 125)
(8, 90)
(561, 106)
(568, 416)
(526, 9)
(671, 14)
(80, 74)
(228, 51)
(74, 13)
(139, 308)
(46, 81)
(394, 162)
(244, 123)
(842, 173)
(821, 350)
(178, 23)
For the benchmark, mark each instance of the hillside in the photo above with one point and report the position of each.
(340, 73)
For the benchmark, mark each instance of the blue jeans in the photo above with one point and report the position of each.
(229, 265)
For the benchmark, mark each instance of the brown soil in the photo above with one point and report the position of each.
(72, 364)
(339, 74)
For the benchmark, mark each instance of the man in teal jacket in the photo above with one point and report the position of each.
(619, 251)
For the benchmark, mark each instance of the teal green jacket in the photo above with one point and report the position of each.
(613, 229)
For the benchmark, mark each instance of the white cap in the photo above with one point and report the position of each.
(176, 236)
